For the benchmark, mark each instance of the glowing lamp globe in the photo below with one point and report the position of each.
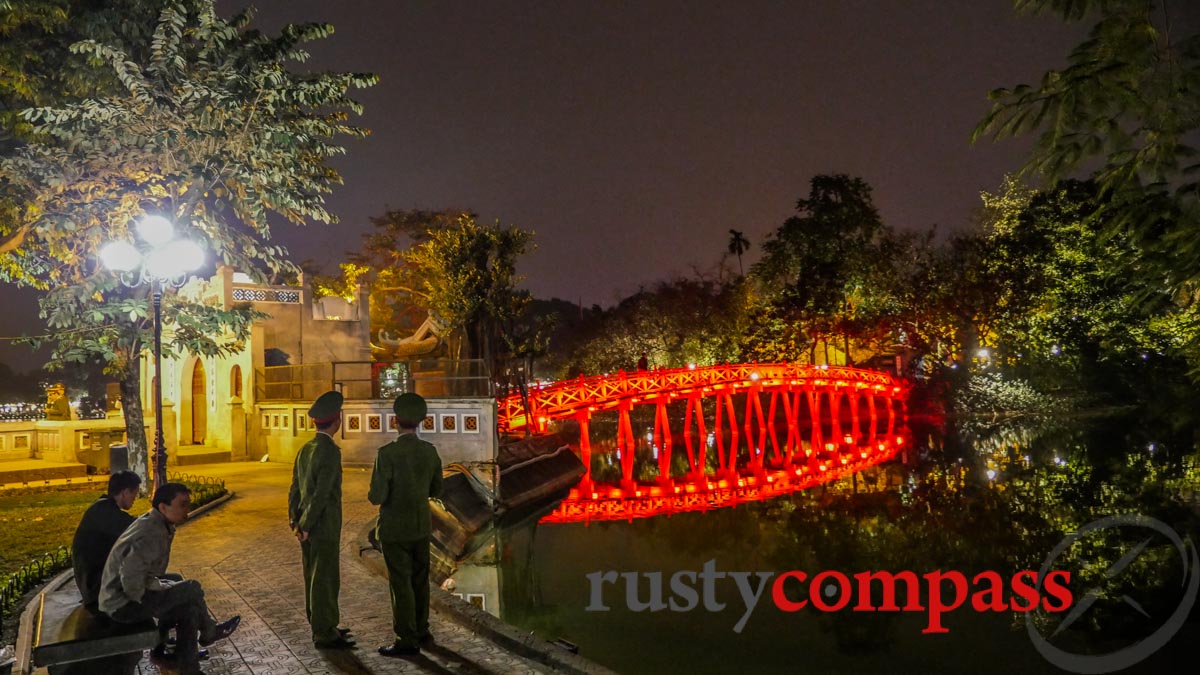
(155, 230)
(174, 260)
(120, 256)
(187, 254)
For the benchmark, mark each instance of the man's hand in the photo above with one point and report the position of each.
(302, 536)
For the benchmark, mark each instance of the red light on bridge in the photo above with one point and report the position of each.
(863, 455)
(848, 439)
(822, 467)
(830, 447)
(899, 440)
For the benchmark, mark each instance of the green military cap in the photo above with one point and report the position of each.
(326, 407)
(410, 408)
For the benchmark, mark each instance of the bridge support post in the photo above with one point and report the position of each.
(626, 444)
(770, 427)
(662, 437)
(874, 418)
(586, 487)
(791, 409)
(835, 414)
(697, 456)
(757, 448)
(817, 442)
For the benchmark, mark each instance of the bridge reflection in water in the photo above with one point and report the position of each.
(820, 424)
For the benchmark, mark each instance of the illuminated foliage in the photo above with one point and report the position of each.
(681, 321)
(1129, 104)
(815, 266)
(194, 117)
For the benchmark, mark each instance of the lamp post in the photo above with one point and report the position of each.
(164, 261)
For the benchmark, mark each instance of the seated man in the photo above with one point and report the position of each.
(136, 586)
(98, 530)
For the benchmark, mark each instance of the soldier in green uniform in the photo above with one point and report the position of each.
(407, 473)
(315, 515)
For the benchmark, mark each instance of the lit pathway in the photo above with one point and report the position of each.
(247, 560)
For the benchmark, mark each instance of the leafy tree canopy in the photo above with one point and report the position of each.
(1125, 110)
(200, 119)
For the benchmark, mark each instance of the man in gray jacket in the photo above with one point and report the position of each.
(136, 587)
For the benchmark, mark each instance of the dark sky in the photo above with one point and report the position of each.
(632, 136)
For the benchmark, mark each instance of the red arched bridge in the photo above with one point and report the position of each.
(818, 423)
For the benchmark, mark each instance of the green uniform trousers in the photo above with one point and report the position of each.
(408, 580)
(322, 580)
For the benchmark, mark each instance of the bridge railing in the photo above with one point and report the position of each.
(602, 392)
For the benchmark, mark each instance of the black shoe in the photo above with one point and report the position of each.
(167, 652)
(338, 643)
(224, 630)
(343, 631)
(396, 651)
(427, 640)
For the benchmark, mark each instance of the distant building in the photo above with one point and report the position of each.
(208, 400)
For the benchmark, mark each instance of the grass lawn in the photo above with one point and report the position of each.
(37, 521)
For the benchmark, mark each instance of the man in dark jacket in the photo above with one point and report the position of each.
(315, 514)
(407, 473)
(98, 530)
(136, 586)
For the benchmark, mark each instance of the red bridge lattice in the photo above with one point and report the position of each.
(850, 415)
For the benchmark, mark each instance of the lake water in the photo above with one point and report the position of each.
(969, 497)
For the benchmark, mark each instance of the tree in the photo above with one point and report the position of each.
(204, 124)
(1129, 103)
(676, 322)
(466, 276)
(738, 244)
(814, 264)
(399, 302)
(37, 67)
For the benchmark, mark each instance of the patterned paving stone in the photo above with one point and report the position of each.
(249, 564)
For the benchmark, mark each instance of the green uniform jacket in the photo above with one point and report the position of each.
(315, 499)
(407, 473)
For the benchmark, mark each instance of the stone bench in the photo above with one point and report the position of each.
(59, 634)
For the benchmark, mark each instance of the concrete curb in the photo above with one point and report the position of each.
(229, 494)
(471, 617)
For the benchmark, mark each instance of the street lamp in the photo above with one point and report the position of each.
(163, 261)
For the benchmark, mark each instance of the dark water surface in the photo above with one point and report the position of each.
(935, 507)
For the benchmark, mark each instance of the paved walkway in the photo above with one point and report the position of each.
(249, 564)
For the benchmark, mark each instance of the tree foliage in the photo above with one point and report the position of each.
(814, 266)
(1126, 111)
(676, 322)
(203, 122)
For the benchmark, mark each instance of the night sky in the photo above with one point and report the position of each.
(632, 136)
